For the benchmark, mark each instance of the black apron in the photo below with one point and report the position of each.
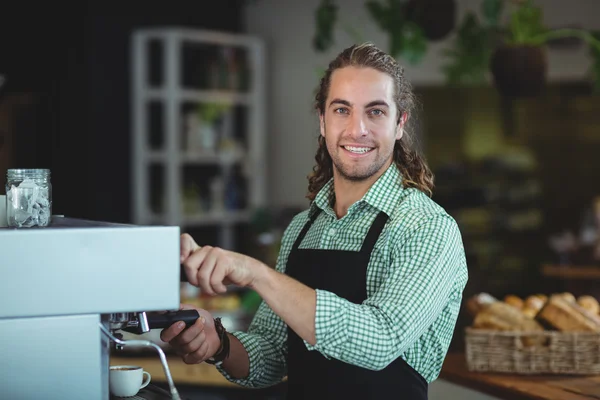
(310, 374)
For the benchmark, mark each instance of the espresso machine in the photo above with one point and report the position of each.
(67, 291)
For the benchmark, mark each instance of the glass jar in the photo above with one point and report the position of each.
(28, 197)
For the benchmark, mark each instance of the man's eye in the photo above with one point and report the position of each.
(341, 110)
(376, 112)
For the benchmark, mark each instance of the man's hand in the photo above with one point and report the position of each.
(211, 268)
(196, 343)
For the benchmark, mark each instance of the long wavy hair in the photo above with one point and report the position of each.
(411, 163)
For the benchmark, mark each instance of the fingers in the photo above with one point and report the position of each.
(187, 246)
(205, 259)
(217, 278)
(197, 356)
(190, 343)
(172, 331)
(176, 330)
(186, 340)
(206, 271)
(194, 263)
(207, 268)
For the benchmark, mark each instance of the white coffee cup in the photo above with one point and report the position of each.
(3, 220)
(126, 380)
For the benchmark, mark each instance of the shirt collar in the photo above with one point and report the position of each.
(383, 195)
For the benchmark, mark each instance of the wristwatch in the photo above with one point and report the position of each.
(223, 351)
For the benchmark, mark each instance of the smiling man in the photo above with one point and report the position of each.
(369, 281)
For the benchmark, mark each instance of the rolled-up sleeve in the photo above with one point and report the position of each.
(266, 344)
(418, 285)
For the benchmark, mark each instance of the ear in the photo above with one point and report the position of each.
(400, 126)
(322, 124)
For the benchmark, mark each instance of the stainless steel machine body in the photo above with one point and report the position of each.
(60, 285)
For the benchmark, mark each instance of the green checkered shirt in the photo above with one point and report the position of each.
(415, 279)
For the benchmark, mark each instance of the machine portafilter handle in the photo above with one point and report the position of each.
(161, 320)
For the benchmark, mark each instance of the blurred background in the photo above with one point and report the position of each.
(199, 114)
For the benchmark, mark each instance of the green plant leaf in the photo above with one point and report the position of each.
(210, 112)
(407, 39)
(414, 43)
(526, 24)
(492, 9)
(470, 53)
(325, 19)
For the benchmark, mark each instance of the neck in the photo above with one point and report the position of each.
(348, 192)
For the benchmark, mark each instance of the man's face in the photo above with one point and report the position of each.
(360, 122)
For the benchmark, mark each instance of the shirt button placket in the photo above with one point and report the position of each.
(328, 236)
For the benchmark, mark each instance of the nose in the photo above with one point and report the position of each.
(358, 126)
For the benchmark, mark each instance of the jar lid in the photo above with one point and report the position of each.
(22, 173)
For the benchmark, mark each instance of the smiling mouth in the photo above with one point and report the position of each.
(358, 150)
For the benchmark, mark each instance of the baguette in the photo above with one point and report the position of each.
(565, 315)
(500, 316)
(504, 317)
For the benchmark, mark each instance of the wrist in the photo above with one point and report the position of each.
(261, 276)
(223, 352)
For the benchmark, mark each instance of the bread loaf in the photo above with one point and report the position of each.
(567, 316)
(503, 317)
(567, 296)
(479, 302)
(589, 303)
(535, 303)
(542, 297)
(514, 301)
(529, 312)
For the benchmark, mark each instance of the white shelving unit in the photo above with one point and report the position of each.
(171, 157)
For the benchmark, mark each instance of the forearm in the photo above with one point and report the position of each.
(257, 357)
(292, 301)
(237, 365)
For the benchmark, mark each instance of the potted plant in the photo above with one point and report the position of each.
(201, 126)
(514, 54)
(409, 24)
(519, 64)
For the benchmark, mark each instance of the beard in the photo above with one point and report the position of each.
(363, 169)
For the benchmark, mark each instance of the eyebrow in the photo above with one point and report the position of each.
(348, 104)
(340, 101)
(378, 103)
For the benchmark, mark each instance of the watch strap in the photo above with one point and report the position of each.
(223, 351)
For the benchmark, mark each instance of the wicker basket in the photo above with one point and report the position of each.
(513, 352)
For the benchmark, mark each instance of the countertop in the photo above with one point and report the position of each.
(504, 386)
(182, 373)
(521, 387)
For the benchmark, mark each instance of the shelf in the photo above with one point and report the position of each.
(246, 122)
(212, 218)
(201, 96)
(571, 272)
(191, 157)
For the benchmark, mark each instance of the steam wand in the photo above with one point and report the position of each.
(161, 354)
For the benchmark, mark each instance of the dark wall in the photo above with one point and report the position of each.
(74, 56)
